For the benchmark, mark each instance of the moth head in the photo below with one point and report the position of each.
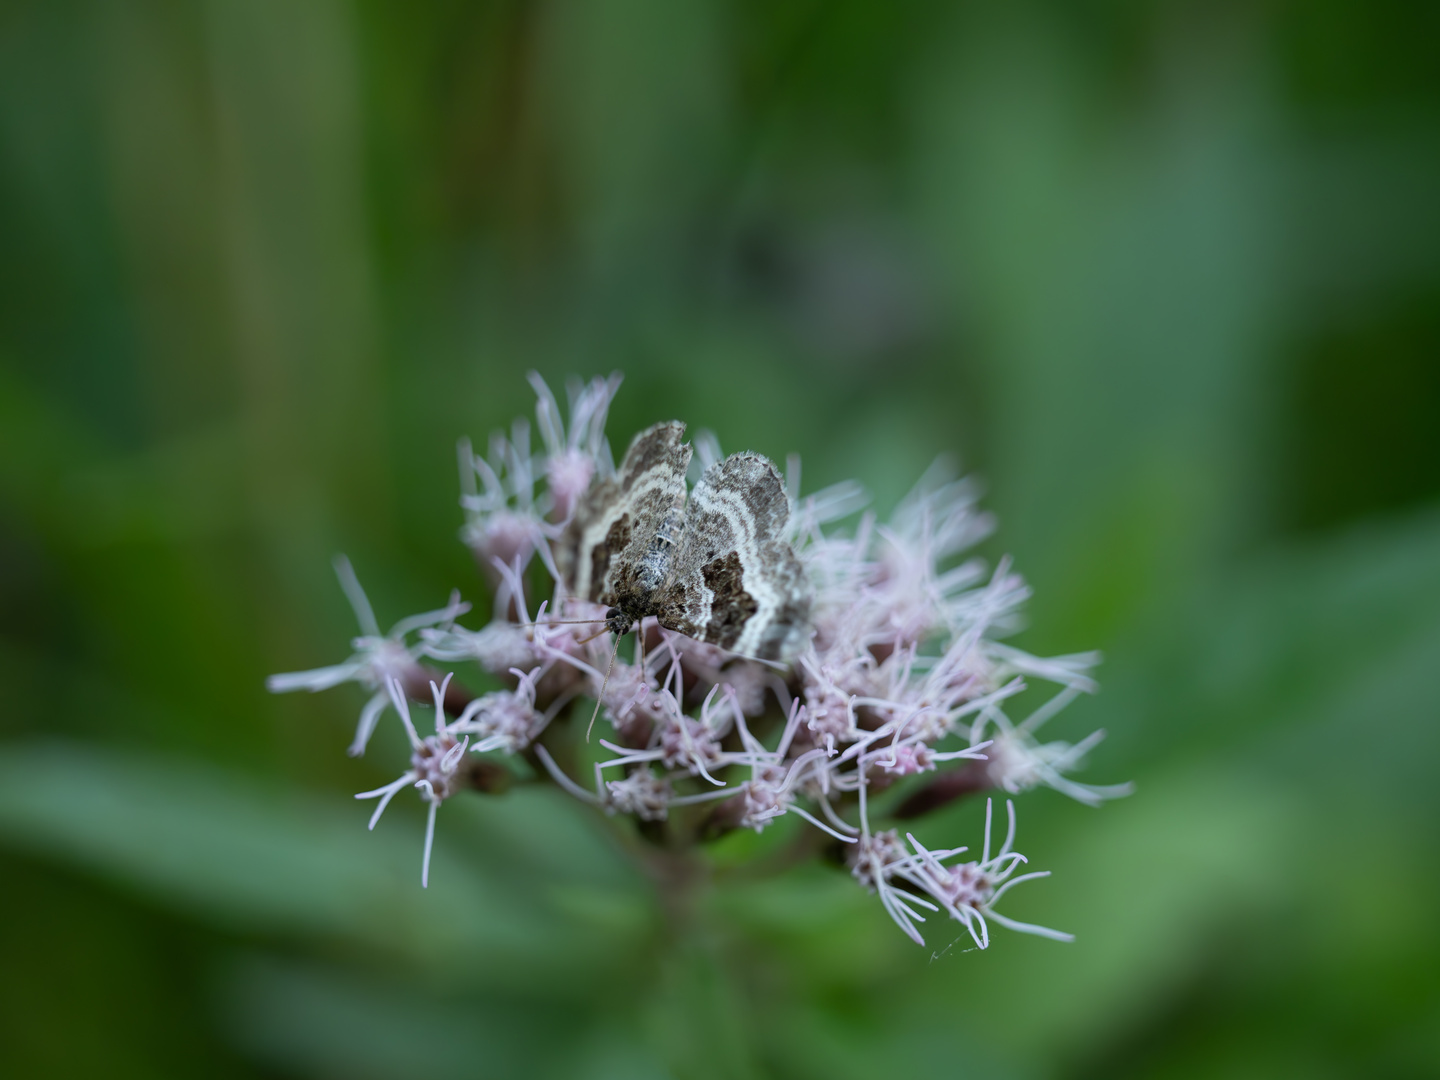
(617, 622)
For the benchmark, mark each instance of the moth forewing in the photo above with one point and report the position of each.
(717, 569)
(753, 597)
(618, 519)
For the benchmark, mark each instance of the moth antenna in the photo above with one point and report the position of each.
(603, 684)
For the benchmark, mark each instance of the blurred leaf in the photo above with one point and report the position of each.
(1331, 644)
(257, 858)
(637, 159)
(39, 446)
(1147, 887)
(331, 1022)
(177, 491)
(1120, 261)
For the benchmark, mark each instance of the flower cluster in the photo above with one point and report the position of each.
(904, 685)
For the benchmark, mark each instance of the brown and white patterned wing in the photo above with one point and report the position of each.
(736, 582)
(618, 519)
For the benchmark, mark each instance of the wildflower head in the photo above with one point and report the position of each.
(572, 461)
(641, 793)
(497, 647)
(968, 891)
(1018, 761)
(907, 760)
(434, 765)
(507, 719)
(687, 743)
(904, 682)
(873, 858)
(377, 659)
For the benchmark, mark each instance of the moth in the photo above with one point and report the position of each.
(715, 567)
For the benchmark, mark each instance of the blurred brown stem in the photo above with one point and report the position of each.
(972, 777)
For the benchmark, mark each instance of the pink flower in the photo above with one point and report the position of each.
(377, 660)
(571, 463)
(434, 762)
(906, 672)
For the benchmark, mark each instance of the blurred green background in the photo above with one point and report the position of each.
(1166, 276)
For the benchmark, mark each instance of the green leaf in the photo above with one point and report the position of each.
(256, 858)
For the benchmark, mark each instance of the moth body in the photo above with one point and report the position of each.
(714, 566)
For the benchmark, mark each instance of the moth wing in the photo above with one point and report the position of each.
(736, 582)
(617, 518)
